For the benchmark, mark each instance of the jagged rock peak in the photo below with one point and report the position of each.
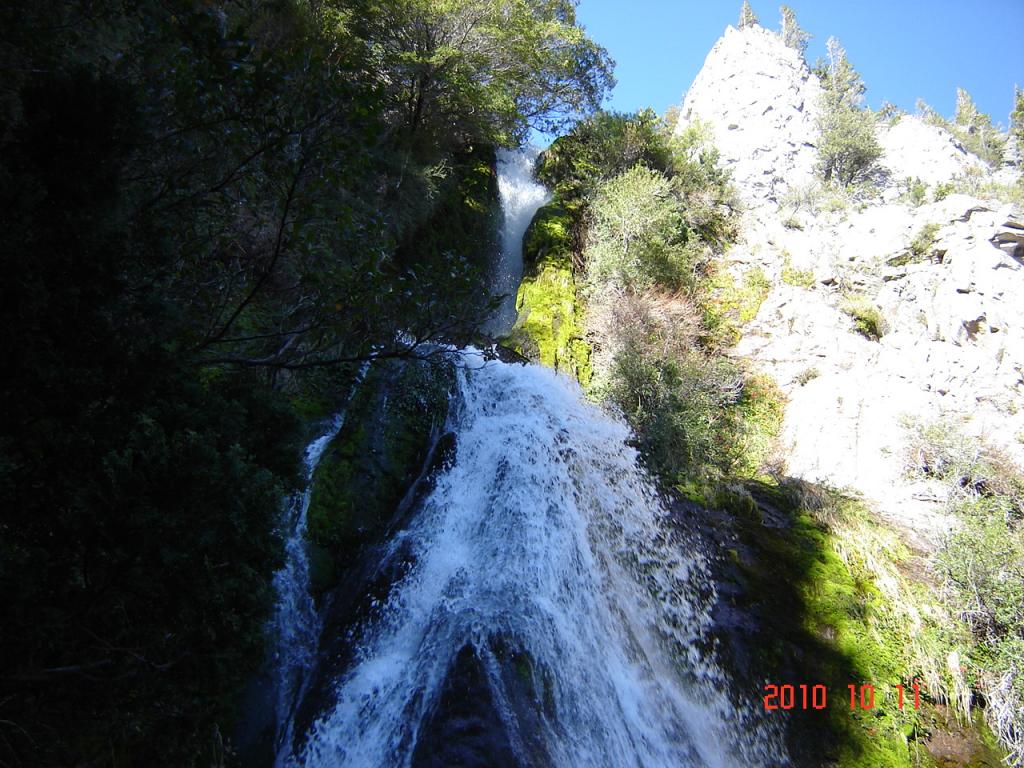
(761, 102)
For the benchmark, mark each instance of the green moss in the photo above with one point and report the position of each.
(550, 325)
(374, 459)
(811, 578)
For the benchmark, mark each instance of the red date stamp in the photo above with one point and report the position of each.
(816, 696)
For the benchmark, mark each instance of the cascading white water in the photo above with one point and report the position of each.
(543, 532)
(295, 624)
(521, 196)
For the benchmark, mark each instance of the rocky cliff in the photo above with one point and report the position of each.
(940, 282)
(761, 103)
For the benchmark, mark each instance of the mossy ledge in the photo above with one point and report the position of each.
(392, 421)
(550, 325)
(813, 590)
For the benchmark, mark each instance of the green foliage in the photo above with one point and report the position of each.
(826, 582)
(977, 183)
(679, 403)
(792, 34)
(890, 113)
(923, 241)
(747, 17)
(848, 147)
(1017, 117)
(729, 306)
(638, 238)
(483, 71)
(944, 190)
(976, 131)
(206, 206)
(801, 278)
(981, 563)
(601, 147)
(915, 191)
(759, 414)
(867, 318)
(972, 128)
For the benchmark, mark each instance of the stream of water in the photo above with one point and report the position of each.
(521, 197)
(542, 549)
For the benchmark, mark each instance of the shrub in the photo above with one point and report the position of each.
(916, 191)
(981, 563)
(728, 306)
(675, 396)
(943, 190)
(972, 128)
(637, 239)
(923, 241)
(806, 375)
(867, 318)
(801, 278)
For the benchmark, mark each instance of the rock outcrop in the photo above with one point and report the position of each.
(914, 149)
(953, 350)
(761, 102)
(954, 346)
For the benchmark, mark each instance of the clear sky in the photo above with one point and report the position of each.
(904, 49)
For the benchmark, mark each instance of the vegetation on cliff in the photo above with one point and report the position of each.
(208, 206)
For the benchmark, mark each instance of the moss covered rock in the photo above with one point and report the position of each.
(550, 325)
(392, 421)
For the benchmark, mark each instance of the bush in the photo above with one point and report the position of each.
(972, 128)
(806, 375)
(981, 563)
(801, 278)
(923, 241)
(637, 239)
(915, 191)
(728, 306)
(867, 318)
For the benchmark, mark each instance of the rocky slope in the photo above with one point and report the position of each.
(953, 349)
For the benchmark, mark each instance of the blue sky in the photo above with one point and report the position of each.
(904, 49)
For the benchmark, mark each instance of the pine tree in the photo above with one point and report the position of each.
(975, 130)
(1017, 118)
(747, 17)
(848, 147)
(792, 35)
(967, 113)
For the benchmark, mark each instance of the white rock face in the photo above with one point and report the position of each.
(954, 351)
(914, 149)
(955, 348)
(762, 104)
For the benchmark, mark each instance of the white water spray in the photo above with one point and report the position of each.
(295, 625)
(544, 534)
(521, 196)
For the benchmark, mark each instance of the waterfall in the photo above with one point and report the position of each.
(295, 625)
(542, 534)
(521, 196)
